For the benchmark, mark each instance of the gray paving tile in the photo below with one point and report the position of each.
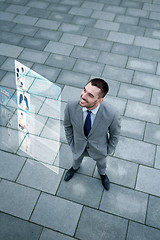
(131, 29)
(142, 232)
(53, 129)
(110, 2)
(132, 128)
(151, 7)
(137, 12)
(152, 133)
(48, 72)
(106, 25)
(113, 87)
(92, 5)
(6, 16)
(34, 43)
(2, 74)
(121, 37)
(8, 80)
(147, 80)
(64, 158)
(103, 15)
(50, 234)
(17, 200)
(10, 50)
(142, 111)
(119, 74)
(154, 15)
(150, 54)
(81, 11)
(38, 4)
(152, 33)
(59, 7)
(2, 59)
(59, 48)
(24, 29)
(3, 6)
(125, 202)
(127, 19)
(66, 93)
(95, 224)
(147, 180)
(141, 65)
(56, 213)
(60, 17)
(12, 38)
(132, 4)
(158, 69)
(73, 78)
(53, 108)
(34, 55)
(48, 24)
(72, 2)
(10, 165)
(17, 9)
(88, 67)
(85, 53)
(121, 172)
(10, 139)
(157, 162)
(23, 19)
(6, 25)
(83, 20)
(37, 12)
(149, 23)
(22, 2)
(14, 228)
(38, 148)
(61, 61)
(115, 9)
(95, 33)
(113, 59)
(48, 34)
(82, 189)
(40, 176)
(73, 39)
(147, 42)
(71, 28)
(98, 44)
(153, 214)
(134, 92)
(118, 103)
(144, 151)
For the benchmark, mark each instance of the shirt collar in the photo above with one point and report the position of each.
(94, 111)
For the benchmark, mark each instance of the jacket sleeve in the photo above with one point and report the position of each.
(114, 133)
(68, 128)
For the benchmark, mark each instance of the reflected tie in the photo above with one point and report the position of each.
(87, 124)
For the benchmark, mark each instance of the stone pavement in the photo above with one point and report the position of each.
(68, 42)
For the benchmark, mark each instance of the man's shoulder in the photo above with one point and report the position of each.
(73, 104)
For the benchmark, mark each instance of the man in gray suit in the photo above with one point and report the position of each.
(92, 128)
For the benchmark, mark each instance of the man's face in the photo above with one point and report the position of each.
(90, 97)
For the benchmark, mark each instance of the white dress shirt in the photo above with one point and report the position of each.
(93, 114)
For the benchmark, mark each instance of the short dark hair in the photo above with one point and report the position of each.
(101, 84)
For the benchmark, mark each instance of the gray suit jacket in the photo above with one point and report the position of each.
(103, 136)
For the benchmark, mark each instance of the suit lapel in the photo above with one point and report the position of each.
(79, 117)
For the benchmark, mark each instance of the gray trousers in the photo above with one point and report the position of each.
(101, 163)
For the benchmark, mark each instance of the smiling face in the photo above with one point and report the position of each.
(90, 97)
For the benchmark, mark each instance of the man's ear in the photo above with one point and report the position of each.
(100, 100)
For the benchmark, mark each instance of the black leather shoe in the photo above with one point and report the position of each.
(105, 182)
(69, 174)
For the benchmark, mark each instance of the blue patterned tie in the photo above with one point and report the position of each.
(87, 124)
